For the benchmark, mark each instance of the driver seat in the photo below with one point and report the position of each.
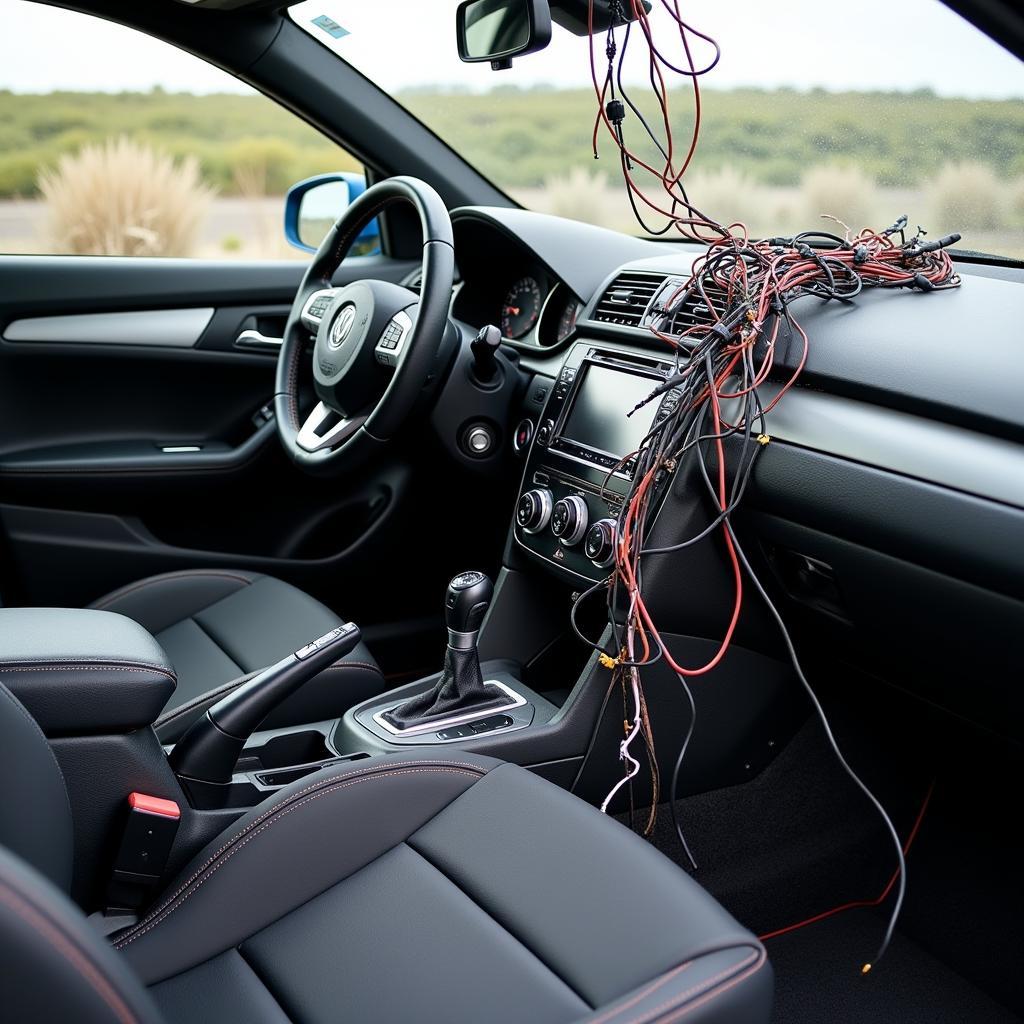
(221, 626)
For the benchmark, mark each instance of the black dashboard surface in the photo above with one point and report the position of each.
(898, 463)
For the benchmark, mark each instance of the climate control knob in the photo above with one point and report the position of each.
(599, 543)
(569, 520)
(534, 510)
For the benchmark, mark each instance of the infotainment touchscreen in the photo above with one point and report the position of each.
(598, 417)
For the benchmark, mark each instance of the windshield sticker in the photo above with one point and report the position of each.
(330, 26)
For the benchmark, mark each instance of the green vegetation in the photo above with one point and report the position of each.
(524, 138)
(777, 160)
(244, 144)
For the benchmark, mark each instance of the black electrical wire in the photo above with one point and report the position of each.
(822, 716)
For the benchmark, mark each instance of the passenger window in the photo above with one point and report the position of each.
(115, 143)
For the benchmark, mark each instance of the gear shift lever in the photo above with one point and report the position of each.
(465, 605)
(461, 689)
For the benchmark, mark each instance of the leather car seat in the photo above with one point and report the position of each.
(430, 886)
(219, 626)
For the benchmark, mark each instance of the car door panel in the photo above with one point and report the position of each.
(125, 450)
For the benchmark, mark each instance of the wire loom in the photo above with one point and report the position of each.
(748, 288)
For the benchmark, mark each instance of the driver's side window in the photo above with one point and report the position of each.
(115, 143)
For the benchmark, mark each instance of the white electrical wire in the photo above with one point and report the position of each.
(634, 679)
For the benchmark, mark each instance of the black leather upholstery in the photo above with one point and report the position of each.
(55, 967)
(218, 626)
(35, 814)
(79, 670)
(435, 886)
(448, 887)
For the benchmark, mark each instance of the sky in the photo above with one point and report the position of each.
(869, 44)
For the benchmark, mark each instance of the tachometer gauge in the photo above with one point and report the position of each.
(567, 321)
(521, 308)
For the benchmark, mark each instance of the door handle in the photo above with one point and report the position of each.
(257, 341)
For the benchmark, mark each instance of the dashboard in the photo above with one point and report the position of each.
(889, 501)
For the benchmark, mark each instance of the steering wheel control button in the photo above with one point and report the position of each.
(544, 432)
(599, 543)
(534, 510)
(478, 440)
(316, 307)
(389, 346)
(523, 436)
(569, 520)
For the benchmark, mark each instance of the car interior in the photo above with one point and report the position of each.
(350, 620)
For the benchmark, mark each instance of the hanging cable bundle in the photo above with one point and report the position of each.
(745, 290)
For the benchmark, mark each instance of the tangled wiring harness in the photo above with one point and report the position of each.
(745, 290)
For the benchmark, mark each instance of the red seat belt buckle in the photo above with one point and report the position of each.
(145, 848)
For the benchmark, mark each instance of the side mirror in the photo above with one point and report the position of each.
(498, 30)
(312, 207)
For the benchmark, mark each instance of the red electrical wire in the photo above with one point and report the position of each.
(855, 904)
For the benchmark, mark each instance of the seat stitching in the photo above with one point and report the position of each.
(55, 665)
(738, 972)
(499, 923)
(203, 697)
(163, 914)
(642, 994)
(168, 576)
(273, 810)
(70, 949)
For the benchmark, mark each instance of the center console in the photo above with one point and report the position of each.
(580, 468)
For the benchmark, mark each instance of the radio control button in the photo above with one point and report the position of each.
(534, 510)
(569, 520)
(599, 544)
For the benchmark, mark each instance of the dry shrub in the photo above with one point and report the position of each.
(728, 195)
(120, 198)
(1016, 191)
(578, 196)
(965, 196)
(844, 192)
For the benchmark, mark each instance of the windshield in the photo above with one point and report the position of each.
(862, 112)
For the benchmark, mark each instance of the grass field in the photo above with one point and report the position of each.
(776, 160)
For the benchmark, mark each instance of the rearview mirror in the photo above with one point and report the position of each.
(313, 206)
(498, 30)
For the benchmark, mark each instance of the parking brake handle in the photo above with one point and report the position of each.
(211, 747)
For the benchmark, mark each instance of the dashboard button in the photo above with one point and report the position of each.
(569, 520)
(534, 510)
(523, 436)
(545, 431)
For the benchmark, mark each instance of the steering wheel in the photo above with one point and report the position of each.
(376, 342)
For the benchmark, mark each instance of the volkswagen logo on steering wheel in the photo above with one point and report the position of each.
(342, 327)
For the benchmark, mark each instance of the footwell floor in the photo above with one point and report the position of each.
(818, 979)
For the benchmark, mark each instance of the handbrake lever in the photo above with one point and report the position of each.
(209, 750)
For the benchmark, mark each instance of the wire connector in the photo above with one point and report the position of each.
(607, 660)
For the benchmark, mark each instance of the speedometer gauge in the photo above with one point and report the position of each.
(521, 308)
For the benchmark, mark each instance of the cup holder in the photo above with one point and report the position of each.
(286, 751)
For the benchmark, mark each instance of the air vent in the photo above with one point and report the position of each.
(674, 311)
(626, 300)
